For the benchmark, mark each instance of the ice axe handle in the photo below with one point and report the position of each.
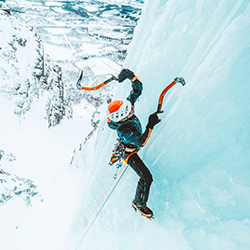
(162, 96)
(176, 80)
(114, 78)
(79, 86)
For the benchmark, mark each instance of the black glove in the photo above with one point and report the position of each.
(124, 74)
(153, 120)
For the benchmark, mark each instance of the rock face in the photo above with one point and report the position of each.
(26, 72)
(56, 104)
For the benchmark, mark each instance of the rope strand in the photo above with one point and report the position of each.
(99, 203)
(103, 205)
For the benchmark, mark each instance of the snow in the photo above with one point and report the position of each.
(199, 154)
(43, 155)
(100, 66)
(58, 53)
(21, 52)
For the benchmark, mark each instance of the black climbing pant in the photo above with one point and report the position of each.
(144, 183)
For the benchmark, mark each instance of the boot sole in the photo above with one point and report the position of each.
(148, 216)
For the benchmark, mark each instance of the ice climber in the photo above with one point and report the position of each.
(121, 118)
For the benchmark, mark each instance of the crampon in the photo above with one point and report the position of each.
(145, 211)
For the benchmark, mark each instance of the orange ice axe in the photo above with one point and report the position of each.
(80, 87)
(176, 80)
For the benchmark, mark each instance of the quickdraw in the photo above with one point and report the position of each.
(118, 165)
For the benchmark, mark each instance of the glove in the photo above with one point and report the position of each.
(124, 74)
(153, 120)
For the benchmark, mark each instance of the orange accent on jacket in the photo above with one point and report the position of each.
(149, 133)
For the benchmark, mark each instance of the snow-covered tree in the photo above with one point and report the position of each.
(26, 71)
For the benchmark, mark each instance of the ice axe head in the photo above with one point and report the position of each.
(180, 80)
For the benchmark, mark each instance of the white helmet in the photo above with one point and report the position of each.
(119, 110)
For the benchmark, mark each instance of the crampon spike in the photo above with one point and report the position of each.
(149, 218)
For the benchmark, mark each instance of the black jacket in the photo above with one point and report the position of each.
(130, 131)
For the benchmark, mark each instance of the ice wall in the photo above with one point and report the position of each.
(199, 154)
